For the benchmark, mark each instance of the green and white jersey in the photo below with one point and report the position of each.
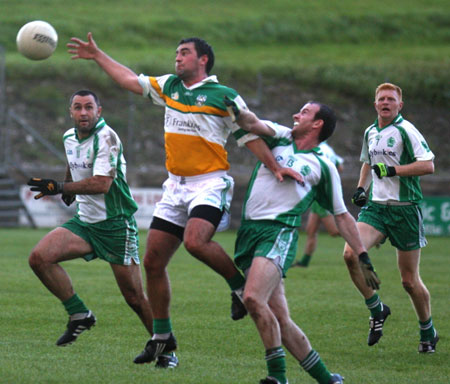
(196, 123)
(99, 154)
(398, 143)
(268, 199)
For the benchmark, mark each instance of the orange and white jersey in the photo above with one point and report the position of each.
(196, 124)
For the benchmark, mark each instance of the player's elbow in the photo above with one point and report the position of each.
(105, 190)
(102, 184)
(425, 167)
(106, 187)
(130, 82)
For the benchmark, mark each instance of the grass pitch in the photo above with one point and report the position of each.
(212, 348)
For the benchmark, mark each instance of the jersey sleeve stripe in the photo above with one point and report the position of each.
(157, 88)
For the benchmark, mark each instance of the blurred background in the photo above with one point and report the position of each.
(276, 54)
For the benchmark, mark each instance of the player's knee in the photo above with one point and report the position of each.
(252, 303)
(153, 264)
(350, 258)
(311, 232)
(35, 259)
(408, 285)
(193, 245)
(284, 321)
(133, 301)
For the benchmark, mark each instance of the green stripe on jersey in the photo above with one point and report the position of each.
(410, 189)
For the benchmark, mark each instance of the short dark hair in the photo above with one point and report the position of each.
(327, 115)
(85, 92)
(202, 48)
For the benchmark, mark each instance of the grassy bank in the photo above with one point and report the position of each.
(348, 46)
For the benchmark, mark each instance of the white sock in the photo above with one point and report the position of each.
(161, 336)
(79, 315)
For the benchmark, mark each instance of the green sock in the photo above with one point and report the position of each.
(236, 282)
(305, 260)
(374, 304)
(316, 368)
(276, 364)
(162, 326)
(75, 305)
(427, 332)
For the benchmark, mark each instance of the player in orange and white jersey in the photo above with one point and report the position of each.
(198, 191)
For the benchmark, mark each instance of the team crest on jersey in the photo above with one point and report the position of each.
(175, 96)
(391, 142)
(305, 170)
(201, 100)
(69, 152)
(282, 245)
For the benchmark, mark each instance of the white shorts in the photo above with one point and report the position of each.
(181, 194)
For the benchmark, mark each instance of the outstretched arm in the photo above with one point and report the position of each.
(264, 154)
(89, 50)
(247, 120)
(348, 230)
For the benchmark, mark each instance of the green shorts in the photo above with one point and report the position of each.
(318, 210)
(402, 225)
(266, 238)
(115, 241)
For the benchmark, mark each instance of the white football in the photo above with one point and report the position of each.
(37, 40)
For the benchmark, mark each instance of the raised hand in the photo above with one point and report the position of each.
(81, 49)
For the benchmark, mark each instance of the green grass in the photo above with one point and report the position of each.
(402, 41)
(212, 348)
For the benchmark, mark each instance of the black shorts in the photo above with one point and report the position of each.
(205, 212)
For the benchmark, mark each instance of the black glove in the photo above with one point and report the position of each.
(232, 108)
(45, 187)
(368, 271)
(359, 198)
(68, 199)
(382, 170)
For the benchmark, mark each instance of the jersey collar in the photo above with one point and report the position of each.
(209, 79)
(100, 124)
(311, 150)
(397, 120)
